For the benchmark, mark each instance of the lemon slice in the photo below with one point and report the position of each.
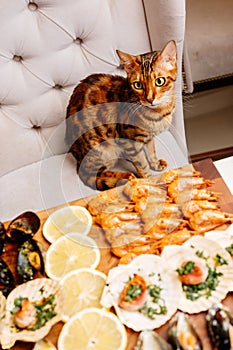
(93, 329)
(71, 252)
(68, 219)
(82, 288)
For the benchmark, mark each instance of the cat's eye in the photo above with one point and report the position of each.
(160, 81)
(138, 85)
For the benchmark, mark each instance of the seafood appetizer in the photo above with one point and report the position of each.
(2, 237)
(144, 293)
(23, 227)
(152, 213)
(2, 312)
(182, 334)
(30, 260)
(220, 328)
(204, 270)
(31, 310)
(7, 280)
(150, 340)
(208, 219)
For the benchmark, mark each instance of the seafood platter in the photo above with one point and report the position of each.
(166, 246)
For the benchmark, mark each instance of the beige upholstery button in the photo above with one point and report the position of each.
(78, 41)
(17, 58)
(32, 6)
(57, 87)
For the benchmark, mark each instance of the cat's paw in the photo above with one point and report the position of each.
(159, 165)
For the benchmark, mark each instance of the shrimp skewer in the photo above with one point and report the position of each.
(206, 220)
(193, 206)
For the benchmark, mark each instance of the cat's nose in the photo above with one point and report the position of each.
(150, 100)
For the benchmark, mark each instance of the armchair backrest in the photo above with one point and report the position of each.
(47, 46)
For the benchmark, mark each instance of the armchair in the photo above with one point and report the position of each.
(46, 48)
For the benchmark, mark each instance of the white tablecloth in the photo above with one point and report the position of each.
(225, 168)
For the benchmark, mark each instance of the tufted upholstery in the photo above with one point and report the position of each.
(46, 47)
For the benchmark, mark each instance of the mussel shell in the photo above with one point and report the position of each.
(30, 260)
(23, 227)
(150, 340)
(6, 278)
(218, 323)
(2, 237)
(180, 327)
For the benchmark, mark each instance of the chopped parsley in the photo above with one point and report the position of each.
(196, 291)
(45, 310)
(220, 260)
(186, 269)
(133, 292)
(152, 312)
(17, 304)
(229, 249)
(147, 309)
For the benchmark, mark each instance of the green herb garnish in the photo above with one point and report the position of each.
(229, 249)
(220, 260)
(154, 292)
(186, 269)
(133, 292)
(196, 291)
(152, 312)
(17, 304)
(45, 310)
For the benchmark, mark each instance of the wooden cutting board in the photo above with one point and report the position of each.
(107, 261)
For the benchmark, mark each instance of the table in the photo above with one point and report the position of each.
(107, 261)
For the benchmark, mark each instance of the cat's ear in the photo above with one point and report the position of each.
(169, 55)
(128, 61)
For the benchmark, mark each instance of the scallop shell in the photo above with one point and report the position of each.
(32, 290)
(151, 268)
(44, 344)
(223, 237)
(2, 311)
(175, 255)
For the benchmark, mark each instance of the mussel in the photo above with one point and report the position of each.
(2, 237)
(219, 326)
(181, 333)
(30, 260)
(23, 227)
(6, 278)
(150, 340)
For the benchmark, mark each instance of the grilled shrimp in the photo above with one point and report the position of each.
(129, 229)
(193, 206)
(166, 209)
(142, 191)
(124, 244)
(173, 174)
(147, 244)
(165, 225)
(186, 183)
(99, 202)
(112, 220)
(206, 220)
(195, 194)
(25, 317)
(134, 294)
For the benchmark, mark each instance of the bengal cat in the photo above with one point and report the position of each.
(112, 117)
